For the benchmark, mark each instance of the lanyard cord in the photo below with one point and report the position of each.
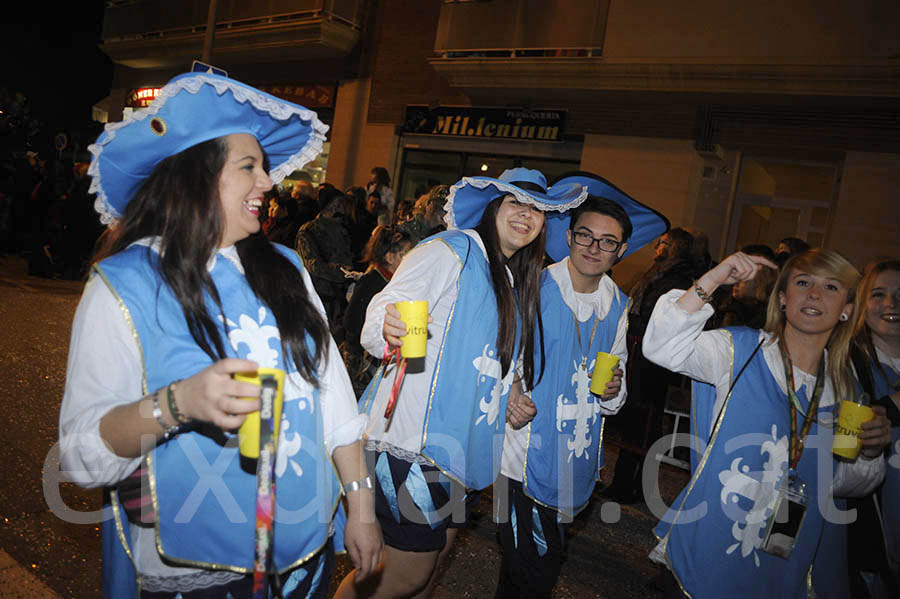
(264, 572)
(584, 353)
(797, 441)
(399, 373)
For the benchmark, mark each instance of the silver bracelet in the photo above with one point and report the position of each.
(363, 483)
(168, 431)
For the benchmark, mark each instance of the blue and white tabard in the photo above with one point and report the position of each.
(205, 503)
(465, 415)
(564, 448)
(714, 530)
(890, 492)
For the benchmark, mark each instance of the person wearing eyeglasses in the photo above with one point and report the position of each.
(552, 452)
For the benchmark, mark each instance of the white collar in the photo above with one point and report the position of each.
(772, 354)
(583, 305)
(230, 253)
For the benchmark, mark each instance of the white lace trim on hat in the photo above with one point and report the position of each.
(520, 194)
(278, 109)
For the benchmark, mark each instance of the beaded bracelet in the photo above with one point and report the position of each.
(173, 406)
(168, 431)
(701, 293)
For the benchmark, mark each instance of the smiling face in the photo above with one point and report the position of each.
(518, 225)
(242, 183)
(813, 304)
(587, 265)
(883, 308)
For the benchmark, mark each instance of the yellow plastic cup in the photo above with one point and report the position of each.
(248, 434)
(603, 372)
(415, 316)
(846, 434)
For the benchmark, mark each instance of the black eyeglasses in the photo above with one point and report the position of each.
(604, 244)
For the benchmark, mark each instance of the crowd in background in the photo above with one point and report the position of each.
(351, 242)
(47, 215)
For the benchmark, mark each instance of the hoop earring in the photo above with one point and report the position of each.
(843, 317)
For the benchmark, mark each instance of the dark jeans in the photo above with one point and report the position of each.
(533, 550)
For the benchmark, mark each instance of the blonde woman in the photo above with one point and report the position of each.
(763, 425)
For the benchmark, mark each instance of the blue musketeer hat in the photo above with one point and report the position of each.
(189, 110)
(647, 224)
(468, 198)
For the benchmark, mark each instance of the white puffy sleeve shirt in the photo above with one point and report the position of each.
(429, 272)
(675, 340)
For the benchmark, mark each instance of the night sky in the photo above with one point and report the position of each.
(50, 53)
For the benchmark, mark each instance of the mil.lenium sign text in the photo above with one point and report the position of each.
(502, 123)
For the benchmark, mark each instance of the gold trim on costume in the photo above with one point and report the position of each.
(437, 366)
(120, 533)
(210, 565)
(127, 314)
(701, 465)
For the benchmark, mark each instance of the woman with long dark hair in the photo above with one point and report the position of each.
(185, 293)
(481, 279)
(758, 513)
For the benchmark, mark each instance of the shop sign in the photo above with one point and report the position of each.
(309, 96)
(142, 97)
(487, 123)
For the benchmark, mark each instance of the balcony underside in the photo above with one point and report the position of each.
(595, 74)
(315, 39)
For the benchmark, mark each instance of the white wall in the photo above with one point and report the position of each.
(866, 223)
(356, 146)
(661, 173)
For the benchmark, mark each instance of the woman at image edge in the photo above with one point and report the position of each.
(471, 276)
(191, 218)
(811, 313)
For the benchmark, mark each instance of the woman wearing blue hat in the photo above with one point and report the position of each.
(187, 292)
(444, 437)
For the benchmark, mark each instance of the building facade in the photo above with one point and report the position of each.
(748, 121)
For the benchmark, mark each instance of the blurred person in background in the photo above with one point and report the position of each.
(282, 226)
(360, 223)
(380, 182)
(304, 194)
(324, 245)
(789, 246)
(640, 421)
(383, 253)
(428, 214)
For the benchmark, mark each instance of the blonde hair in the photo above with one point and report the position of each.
(822, 263)
(861, 330)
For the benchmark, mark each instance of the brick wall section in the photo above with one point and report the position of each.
(401, 75)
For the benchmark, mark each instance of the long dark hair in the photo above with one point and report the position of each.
(525, 266)
(179, 203)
